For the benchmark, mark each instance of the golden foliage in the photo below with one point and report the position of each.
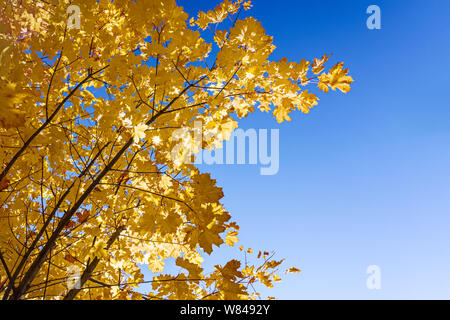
(88, 181)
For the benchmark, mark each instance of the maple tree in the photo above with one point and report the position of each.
(88, 174)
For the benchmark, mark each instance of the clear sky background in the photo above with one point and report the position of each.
(364, 178)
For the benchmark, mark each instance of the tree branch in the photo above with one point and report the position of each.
(91, 267)
(37, 264)
(45, 124)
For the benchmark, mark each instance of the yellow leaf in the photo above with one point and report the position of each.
(293, 270)
(231, 238)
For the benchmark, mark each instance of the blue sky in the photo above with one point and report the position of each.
(365, 177)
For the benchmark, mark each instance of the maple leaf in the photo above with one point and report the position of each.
(195, 271)
(231, 238)
(139, 132)
(207, 239)
(318, 64)
(337, 78)
(70, 258)
(293, 270)
(82, 216)
(10, 116)
(231, 270)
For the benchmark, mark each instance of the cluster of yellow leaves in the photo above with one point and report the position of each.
(337, 78)
(95, 124)
(229, 281)
(220, 13)
(11, 116)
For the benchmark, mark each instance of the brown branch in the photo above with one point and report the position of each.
(229, 80)
(5, 266)
(45, 124)
(52, 77)
(44, 228)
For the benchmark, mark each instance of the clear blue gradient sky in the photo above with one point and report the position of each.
(365, 177)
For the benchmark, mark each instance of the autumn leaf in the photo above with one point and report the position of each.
(71, 224)
(231, 238)
(247, 5)
(318, 64)
(70, 258)
(139, 132)
(82, 216)
(4, 183)
(10, 115)
(337, 78)
(293, 270)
